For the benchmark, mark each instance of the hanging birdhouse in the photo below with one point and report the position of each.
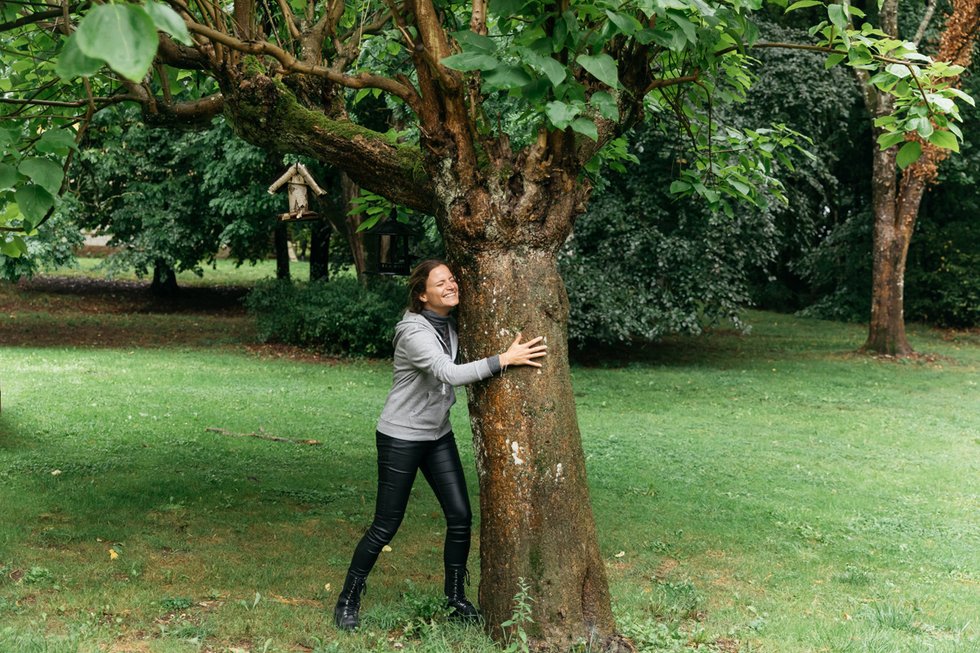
(299, 183)
(386, 247)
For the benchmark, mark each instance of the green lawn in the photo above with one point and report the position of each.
(768, 492)
(221, 272)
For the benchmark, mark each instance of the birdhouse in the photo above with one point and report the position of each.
(299, 183)
(386, 247)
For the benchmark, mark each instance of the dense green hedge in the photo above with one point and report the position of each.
(339, 317)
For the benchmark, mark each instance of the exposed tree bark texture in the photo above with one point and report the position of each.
(536, 517)
(896, 203)
(281, 246)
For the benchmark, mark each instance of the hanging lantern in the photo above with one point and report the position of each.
(386, 247)
(300, 182)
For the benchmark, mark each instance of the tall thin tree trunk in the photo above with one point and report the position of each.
(320, 231)
(536, 516)
(281, 242)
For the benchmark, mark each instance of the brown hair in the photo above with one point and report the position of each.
(416, 282)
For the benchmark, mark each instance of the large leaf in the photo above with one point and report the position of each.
(507, 77)
(72, 62)
(169, 21)
(945, 140)
(606, 104)
(123, 35)
(560, 114)
(467, 61)
(586, 127)
(602, 67)
(43, 172)
(8, 176)
(909, 154)
(473, 41)
(33, 201)
(56, 141)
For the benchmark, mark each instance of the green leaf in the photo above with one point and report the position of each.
(890, 139)
(43, 172)
(11, 248)
(560, 114)
(8, 176)
(473, 41)
(56, 141)
(838, 16)
(585, 127)
(678, 187)
(602, 67)
(123, 35)
(169, 21)
(606, 104)
(72, 62)
(626, 23)
(961, 95)
(802, 4)
(33, 201)
(899, 70)
(690, 31)
(945, 140)
(507, 77)
(909, 154)
(834, 59)
(466, 61)
(555, 72)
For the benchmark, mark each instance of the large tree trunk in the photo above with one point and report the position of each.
(281, 245)
(320, 232)
(536, 516)
(164, 282)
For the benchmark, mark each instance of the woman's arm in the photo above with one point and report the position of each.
(423, 351)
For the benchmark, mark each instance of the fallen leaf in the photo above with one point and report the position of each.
(386, 548)
(620, 554)
(113, 554)
(56, 472)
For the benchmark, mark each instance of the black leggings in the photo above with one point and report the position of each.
(398, 461)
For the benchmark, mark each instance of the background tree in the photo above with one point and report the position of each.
(507, 115)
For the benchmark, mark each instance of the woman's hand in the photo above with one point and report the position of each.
(523, 353)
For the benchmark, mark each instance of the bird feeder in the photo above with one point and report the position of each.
(300, 182)
(386, 247)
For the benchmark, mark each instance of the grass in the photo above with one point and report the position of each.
(221, 272)
(769, 492)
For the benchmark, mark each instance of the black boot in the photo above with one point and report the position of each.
(345, 615)
(461, 608)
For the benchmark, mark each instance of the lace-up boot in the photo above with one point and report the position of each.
(462, 609)
(346, 614)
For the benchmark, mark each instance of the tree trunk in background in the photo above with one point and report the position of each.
(892, 234)
(281, 243)
(164, 282)
(320, 231)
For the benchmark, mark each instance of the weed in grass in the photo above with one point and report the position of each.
(176, 604)
(854, 575)
(515, 635)
(38, 576)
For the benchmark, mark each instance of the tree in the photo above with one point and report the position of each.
(896, 198)
(505, 106)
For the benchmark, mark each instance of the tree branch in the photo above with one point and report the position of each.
(921, 32)
(292, 64)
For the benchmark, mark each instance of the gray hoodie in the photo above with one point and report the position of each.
(422, 392)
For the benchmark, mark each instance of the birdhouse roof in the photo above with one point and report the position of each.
(292, 171)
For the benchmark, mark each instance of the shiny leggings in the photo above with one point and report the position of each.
(398, 462)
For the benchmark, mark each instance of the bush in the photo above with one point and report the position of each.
(339, 317)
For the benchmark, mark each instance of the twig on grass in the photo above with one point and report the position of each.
(262, 435)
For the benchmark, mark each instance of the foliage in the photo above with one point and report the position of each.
(340, 317)
(641, 264)
(53, 246)
(174, 199)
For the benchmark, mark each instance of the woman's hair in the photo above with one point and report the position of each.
(416, 283)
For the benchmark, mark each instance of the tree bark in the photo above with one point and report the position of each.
(164, 282)
(320, 231)
(536, 516)
(892, 234)
(281, 242)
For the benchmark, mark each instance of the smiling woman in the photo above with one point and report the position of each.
(414, 434)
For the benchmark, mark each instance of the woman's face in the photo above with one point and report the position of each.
(441, 291)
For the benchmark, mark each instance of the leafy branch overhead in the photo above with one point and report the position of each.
(490, 85)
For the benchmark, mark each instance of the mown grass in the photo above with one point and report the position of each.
(221, 272)
(768, 492)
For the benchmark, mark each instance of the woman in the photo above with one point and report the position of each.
(414, 434)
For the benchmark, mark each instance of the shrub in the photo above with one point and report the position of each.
(339, 317)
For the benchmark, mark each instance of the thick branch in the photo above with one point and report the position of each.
(266, 113)
(292, 64)
(924, 25)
